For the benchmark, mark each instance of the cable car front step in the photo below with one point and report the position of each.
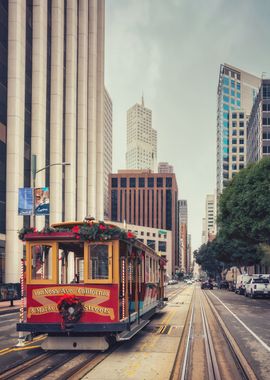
(136, 327)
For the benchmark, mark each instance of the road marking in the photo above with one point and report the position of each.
(14, 349)
(244, 325)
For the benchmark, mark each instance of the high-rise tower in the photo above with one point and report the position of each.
(51, 108)
(237, 90)
(141, 139)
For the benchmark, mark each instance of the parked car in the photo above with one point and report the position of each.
(223, 285)
(172, 282)
(207, 285)
(258, 286)
(240, 286)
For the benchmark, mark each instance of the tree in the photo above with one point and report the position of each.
(237, 252)
(244, 207)
(205, 256)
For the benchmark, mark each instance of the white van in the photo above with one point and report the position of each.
(240, 286)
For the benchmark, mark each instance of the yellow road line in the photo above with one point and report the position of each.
(14, 349)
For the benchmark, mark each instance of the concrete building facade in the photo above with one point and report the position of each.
(147, 199)
(258, 130)
(236, 93)
(209, 221)
(141, 139)
(107, 149)
(159, 240)
(183, 227)
(164, 167)
(52, 106)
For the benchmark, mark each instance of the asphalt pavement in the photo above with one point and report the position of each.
(6, 308)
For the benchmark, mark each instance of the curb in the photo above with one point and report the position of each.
(9, 311)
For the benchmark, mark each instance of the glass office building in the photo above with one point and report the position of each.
(237, 90)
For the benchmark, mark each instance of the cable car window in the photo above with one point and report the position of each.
(41, 262)
(98, 262)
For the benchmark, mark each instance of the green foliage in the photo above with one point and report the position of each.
(244, 207)
(87, 231)
(206, 257)
(237, 252)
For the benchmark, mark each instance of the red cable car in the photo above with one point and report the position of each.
(88, 284)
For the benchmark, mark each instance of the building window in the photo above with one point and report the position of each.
(234, 167)
(241, 158)
(114, 205)
(234, 124)
(151, 182)
(234, 141)
(114, 182)
(168, 182)
(241, 149)
(123, 182)
(241, 124)
(141, 182)
(168, 209)
(159, 182)
(162, 246)
(132, 182)
(234, 158)
(241, 166)
(241, 141)
(241, 115)
(234, 149)
(234, 115)
(151, 244)
(226, 81)
(234, 132)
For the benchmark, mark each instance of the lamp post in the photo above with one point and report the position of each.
(35, 171)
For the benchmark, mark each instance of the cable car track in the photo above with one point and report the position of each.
(207, 348)
(57, 365)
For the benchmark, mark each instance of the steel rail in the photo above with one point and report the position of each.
(241, 362)
(212, 364)
(188, 345)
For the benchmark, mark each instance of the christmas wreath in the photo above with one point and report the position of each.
(70, 309)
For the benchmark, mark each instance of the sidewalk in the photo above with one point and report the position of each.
(5, 307)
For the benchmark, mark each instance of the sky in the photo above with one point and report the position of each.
(171, 51)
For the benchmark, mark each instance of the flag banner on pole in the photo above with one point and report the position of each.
(42, 201)
(26, 201)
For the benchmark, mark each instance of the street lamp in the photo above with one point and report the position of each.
(35, 171)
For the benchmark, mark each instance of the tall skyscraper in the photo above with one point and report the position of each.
(107, 149)
(209, 222)
(258, 131)
(237, 90)
(148, 199)
(52, 107)
(183, 226)
(164, 167)
(141, 139)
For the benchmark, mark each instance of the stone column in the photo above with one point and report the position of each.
(39, 78)
(82, 110)
(92, 111)
(100, 112)
(56, 119)
(71, 110)
(15, 135)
